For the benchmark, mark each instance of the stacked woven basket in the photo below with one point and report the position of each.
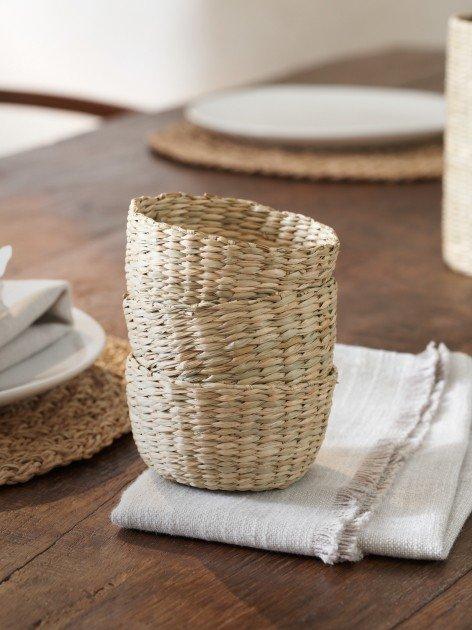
(231, 314)
(457, 199)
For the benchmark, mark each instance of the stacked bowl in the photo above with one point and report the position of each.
(231, 315)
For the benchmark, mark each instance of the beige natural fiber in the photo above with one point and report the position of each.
(188, 249)
(457, 203)
(231, 314)
(70, 422)
(186, 143)
(285, 336)
(227, 436)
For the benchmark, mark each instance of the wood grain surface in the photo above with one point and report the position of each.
(63, 565)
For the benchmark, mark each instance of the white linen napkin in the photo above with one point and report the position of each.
(33, 315)
(391, 478)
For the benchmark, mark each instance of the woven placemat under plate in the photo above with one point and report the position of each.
(70, 422)
(186, 143)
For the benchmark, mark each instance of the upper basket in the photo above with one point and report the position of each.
(188, 249)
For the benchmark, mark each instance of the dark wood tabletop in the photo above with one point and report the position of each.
(63, 564)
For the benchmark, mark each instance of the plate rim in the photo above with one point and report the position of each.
(14, 394)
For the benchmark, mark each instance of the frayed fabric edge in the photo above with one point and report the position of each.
(356, 503)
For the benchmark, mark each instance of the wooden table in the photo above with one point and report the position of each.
(63, 564)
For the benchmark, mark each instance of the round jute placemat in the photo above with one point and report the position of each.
(186, 143)
(70, 422)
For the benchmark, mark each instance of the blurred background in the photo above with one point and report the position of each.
(152, 54)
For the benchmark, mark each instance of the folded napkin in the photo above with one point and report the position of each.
(393, 476)
(33, 314)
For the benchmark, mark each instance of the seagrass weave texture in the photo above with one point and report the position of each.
(231, 315)
(188, 249)
(227, 437)
(189, 144)
(70, 422)
(285, 336)
(457, 203)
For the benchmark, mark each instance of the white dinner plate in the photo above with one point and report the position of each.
(322, 115)
(57, 363)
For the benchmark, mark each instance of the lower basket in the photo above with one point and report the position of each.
(223, 436)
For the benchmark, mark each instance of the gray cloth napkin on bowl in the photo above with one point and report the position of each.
(33, 315)
(393, 476)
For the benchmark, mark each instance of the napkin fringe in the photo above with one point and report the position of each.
(357, 502)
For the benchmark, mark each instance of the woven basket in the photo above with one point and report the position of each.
(189, 249)
(457, 202)
(231, 314)
(227, 437)
(287, 337)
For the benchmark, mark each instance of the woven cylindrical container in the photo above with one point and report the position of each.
(286, 336)
(457, 201)
(188, 249)
(231, 315)
(226, 436)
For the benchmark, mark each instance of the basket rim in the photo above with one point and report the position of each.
(330, 379)
(330, 246)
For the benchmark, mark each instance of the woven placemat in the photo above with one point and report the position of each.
(186, 143)
(70, 422)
